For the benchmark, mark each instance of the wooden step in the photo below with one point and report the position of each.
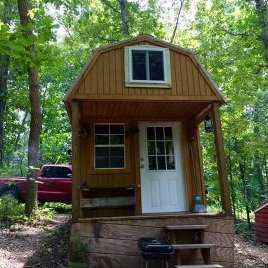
(200, 266)
(186, 227)
(193, 246)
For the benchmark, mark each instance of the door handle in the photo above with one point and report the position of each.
(142, 166)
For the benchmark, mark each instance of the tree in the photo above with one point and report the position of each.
(4, 68)
(35, 124)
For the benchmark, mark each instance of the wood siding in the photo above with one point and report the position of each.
(129, 176)
(105, 77)
(261, 224)
(113, 242)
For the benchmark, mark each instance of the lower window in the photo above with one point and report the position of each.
(109, 146)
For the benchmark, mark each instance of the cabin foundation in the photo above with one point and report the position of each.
(113, 240)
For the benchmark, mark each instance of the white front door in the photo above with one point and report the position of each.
(162, 176)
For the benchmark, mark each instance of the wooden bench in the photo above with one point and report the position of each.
(107, 201)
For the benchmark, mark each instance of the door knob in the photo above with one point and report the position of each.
(142, 158)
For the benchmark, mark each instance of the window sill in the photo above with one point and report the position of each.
(154, 85)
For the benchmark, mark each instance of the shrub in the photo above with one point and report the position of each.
(11, 209)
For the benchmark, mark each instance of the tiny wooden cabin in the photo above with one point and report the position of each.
(137, 164)
(261, 223)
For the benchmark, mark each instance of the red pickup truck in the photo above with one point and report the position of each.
(54, 184)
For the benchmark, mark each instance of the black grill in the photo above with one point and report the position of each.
(151, 248)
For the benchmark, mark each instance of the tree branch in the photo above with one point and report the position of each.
(107, 3)
(177, 21)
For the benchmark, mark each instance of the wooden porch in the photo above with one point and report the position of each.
(113, 240)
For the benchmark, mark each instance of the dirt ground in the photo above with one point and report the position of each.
(46, 246)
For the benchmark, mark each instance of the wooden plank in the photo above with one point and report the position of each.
(114, 246)
(219, 239)
(173, 74)
(93, 81)
(190, 78)
(192, 246)
(107, 202)
(118, 73)
(200, 266)
(106, 74)
(100, 74)
(178, 71)
(197, 91)
(185, 86)
(216, 224)
(221, 162)
(112, 68)
(115, 231)
(186, 227)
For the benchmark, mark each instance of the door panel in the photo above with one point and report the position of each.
(162, 176)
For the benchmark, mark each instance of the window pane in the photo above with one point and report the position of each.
(152, 162)
(102, 139)
(170, 162)
(139, 64)
(117, 162)
(117, 151)
(116, 139)
(102, 162)
(151, 148)
(156, 65)
(168, 133)
(101, 129)
(169, 148)
(161, 161)
(159, 133)
(150, 133)
(116, 129)
(102, 151)
(160, 145)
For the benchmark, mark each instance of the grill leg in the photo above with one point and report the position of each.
(166, 262)
(146, 264)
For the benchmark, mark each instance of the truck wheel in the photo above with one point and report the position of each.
(12, 190)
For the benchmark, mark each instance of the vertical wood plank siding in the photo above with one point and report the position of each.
(107, 76)
(261, 223)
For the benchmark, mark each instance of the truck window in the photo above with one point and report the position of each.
(56, 172)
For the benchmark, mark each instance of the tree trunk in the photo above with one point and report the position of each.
(4, 67)
(242, 168)
(35, 124)
(233, 196)
(124, 16)
(261, 6)
(177, 21)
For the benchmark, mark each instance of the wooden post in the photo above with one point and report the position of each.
(75, 160)
(221, 162)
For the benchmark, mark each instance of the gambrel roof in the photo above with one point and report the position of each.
(106, 66)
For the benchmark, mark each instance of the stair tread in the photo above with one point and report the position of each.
(187, 227)
(192, 246)
(200, 266)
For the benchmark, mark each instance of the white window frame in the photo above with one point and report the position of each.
(114, 145)
(130, 82)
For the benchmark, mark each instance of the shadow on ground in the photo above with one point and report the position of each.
(52, 249)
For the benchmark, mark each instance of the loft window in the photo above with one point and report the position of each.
(147, 65)
(109, 146)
